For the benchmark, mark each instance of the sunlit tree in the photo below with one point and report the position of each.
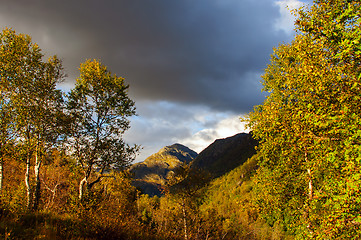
(99, 107)
(185, 189)
(32, 98)
(7, 128)
(309, 126)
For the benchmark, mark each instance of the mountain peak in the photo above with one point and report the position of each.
(179, 151)
(153, 171)
(225, 154)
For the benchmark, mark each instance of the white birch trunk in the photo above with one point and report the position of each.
(310, 194)
(81, 187)
(1, 174)
(310, 186)
(37, 180)
(27, 182)
(185, 221)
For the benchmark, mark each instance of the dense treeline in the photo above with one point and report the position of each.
(64, 163)
(63, 160)
(309, 126)
(55, 148)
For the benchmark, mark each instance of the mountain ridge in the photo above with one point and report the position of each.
(225, 154)
(151, 174)
(220, 157)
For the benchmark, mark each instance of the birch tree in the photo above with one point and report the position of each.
(32, 99)
(309, 126)
(7, 129)
(185, 188)
(99, 107)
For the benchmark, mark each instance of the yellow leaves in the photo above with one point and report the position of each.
(313, 105)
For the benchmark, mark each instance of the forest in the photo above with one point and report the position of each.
(64, 165)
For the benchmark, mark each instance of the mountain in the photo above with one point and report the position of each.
(151, 174)
(223, 155)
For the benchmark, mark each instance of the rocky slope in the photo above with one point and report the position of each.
(221, 157)
(151, 174)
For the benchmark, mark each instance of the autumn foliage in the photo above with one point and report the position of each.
(309, 126)
(63, 161)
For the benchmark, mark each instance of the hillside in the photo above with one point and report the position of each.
(151, 174)
(223, 155)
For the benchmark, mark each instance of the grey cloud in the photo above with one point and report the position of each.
(202, 52)
(162, 123)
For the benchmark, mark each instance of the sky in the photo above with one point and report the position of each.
(193, 66)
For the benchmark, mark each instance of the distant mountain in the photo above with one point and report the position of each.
(151, 174)
(219, 158)
(223, 155)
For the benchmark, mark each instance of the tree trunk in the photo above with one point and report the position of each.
(81, 187)
(310, 195)
(90, 185)
(1, 173)
(37, 180)
(310, 186)
(1, 168)
(53, 191)
(27, 182)
(185, 220)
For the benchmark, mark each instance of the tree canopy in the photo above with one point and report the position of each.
(309, 125)
(99, 107)
(30, 102)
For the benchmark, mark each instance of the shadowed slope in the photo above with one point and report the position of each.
(223, 155)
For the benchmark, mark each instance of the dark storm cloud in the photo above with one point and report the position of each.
(205, 52)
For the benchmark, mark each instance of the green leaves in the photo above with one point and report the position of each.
(309, 124)
(30, 103)
(99, 107)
